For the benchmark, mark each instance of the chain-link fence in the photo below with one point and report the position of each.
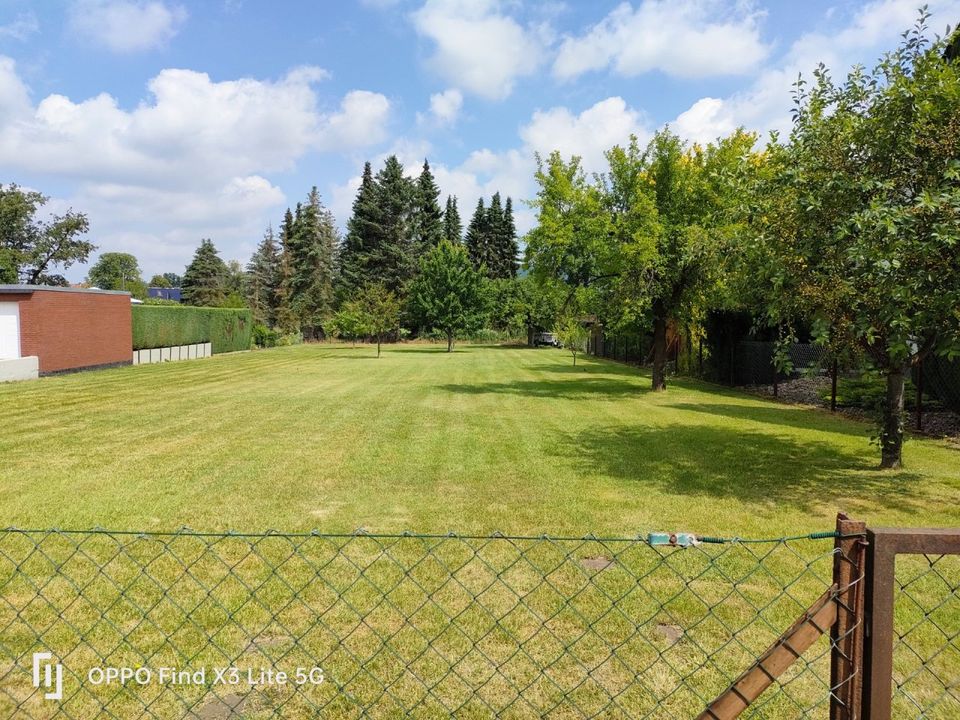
(926, 651)
(941, 378)
(912, 646)
(401, 625)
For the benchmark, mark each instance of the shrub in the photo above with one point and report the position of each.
(869, 391)
(226, 329)
(264, 337)
(290, 339)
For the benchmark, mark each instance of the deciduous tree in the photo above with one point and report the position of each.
(30, 248)
(448, 294)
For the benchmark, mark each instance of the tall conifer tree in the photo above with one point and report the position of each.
(508, 250)
(427, 217)
(391, 257)
(263, 273)
(353, 259)
(205, 278)
(477, 236)
(313, 240)
(452, 226)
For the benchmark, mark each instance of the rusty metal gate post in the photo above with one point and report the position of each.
(846, 636)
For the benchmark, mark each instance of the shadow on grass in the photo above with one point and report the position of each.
(588, 367)
(585, 387)
(772, 413)
(439, 350)
(751, 466)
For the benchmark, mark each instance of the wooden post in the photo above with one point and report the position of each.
(846, 636)
(920, 395)
(833, 386)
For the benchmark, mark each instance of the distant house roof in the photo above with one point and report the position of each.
(23, 289)
(165, 293)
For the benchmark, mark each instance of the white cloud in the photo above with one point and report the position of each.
(445, 106)
(591, 133)
(191, 129)
(704, 121)
(14, 95)
(478, 48)
(22, 27)
(685, 38)
(125, 26)
(765, 104)
(192, 160)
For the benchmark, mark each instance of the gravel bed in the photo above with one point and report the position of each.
(806, 391)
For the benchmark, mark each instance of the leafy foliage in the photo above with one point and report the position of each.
(573, 335)
(448, 295)
(857, 219)
(379, 311)
(118, 271)
(31, 248)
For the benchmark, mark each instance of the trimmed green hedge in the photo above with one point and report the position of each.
(226, 329)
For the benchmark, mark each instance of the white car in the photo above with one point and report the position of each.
(546, 338)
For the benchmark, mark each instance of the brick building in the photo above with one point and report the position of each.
(63, 328)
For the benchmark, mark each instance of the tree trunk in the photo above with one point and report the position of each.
(449, 342)
(659, 347)
(891, 429)
(530, 335)
(574, 359)
(378, 346)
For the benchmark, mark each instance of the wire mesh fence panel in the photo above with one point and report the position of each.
(388, 626)
(941, 378)
(926, 649)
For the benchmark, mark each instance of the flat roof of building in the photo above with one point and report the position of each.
(21, 289)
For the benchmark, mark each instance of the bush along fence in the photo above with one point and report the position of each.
(168, 326)
(189, 624)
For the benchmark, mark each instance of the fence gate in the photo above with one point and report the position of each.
(912, 647)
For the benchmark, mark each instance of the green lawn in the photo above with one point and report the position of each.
(484, 439)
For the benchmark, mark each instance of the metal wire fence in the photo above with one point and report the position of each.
(926, 649)
(401, 625)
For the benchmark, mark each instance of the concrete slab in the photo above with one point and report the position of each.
(25, 368)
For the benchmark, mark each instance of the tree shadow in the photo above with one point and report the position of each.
(585, 387)
(582, 367)
(439, 350)
(750, 466)
(772, 413)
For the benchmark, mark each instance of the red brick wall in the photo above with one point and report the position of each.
(70, 330)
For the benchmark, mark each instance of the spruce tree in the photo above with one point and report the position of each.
(452, 227)
(476, 237)
(284, 317)
(494, 260)
(353, 258)
(427, 217)
(508, 248)
(205, 278)
(312, 243)
(263, 278)
(391, 258)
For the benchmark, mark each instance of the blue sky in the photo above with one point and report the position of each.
(167, 121)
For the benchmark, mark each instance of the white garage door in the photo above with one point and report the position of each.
(9, 330)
